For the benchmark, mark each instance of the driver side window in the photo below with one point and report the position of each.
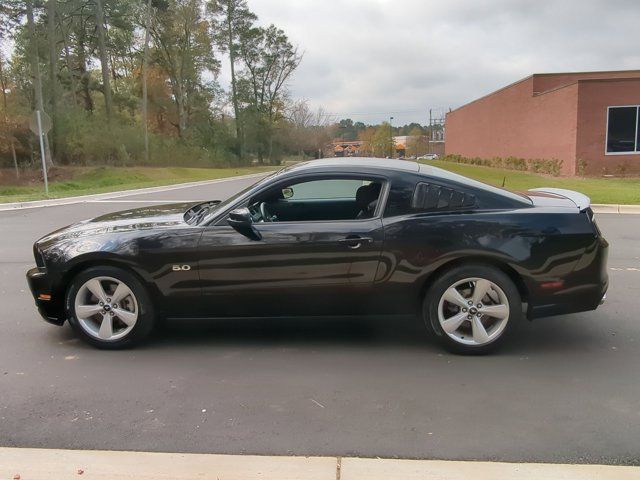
(329, 199)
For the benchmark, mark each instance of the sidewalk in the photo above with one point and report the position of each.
(44, 464)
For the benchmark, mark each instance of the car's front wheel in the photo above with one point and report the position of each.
(109, 308)
(472, 309)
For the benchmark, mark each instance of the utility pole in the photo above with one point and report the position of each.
(390, 137)
(430, 132)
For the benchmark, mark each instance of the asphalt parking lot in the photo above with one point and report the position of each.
(567, 389)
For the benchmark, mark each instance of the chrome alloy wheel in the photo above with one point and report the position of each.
(473, 311)
(106, 308)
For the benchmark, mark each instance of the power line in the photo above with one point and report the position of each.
(342, 114)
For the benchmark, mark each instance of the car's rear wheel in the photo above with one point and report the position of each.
(472, 309)
(109, 308)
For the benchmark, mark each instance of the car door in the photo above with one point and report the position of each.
(316, 267)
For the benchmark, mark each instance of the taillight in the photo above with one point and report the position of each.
(592, 219)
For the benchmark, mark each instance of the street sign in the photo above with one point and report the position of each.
(44, 118)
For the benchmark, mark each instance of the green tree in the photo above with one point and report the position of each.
(148, 14)
(382, 141)
(8, 22)
(232, 20)
(367, 137)
(184, 49)
(417, 143)
(104, 59)
(269, 60)
(148, 62)
(6, 133)
(35, 70)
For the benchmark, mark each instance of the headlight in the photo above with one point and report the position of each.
(37, 253)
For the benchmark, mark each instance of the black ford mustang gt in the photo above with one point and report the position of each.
(331, 237)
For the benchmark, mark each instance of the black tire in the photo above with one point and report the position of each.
(146, 316)
(456, 274)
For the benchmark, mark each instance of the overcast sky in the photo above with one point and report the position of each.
(369, 59)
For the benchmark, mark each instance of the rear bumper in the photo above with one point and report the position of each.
(584, 299)
(50, 306)
(584, 289)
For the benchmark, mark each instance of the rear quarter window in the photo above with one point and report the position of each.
(428, 197)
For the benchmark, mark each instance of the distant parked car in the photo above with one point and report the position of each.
(331, 237)
(429, 156)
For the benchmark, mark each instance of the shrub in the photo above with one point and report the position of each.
(536, 165)
(88, 139)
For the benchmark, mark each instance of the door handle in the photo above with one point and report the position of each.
(355, 241)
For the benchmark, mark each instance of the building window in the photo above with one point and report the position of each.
(623, 135)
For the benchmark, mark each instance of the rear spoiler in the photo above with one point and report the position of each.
(580, 200)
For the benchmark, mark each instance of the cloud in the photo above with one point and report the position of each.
(369, 59)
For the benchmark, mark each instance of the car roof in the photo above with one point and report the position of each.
(402, 166)
(357, 162)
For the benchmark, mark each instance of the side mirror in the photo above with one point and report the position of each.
(242, 221)
(287, 192)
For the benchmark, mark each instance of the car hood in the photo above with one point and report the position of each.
(145, 218)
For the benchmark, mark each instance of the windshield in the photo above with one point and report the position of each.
(234, 198)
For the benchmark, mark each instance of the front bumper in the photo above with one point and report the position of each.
(50, 306)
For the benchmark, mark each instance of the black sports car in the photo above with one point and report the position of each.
(331, 237)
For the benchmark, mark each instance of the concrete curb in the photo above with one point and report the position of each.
(380, 469)
(122, 193)
(611, 208)
(49, 464)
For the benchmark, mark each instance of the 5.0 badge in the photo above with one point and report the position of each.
(181, 268)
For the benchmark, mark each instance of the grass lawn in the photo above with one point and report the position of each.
(600, 190)
(71, 181)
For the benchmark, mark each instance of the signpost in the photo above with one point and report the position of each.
(40, 124)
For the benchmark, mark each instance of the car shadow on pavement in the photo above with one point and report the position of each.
(559, 334)
(562, 334)
(547, 335)
(391, 330)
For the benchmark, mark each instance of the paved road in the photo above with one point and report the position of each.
(566, 390)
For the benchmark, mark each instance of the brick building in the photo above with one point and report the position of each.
(590, 121)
